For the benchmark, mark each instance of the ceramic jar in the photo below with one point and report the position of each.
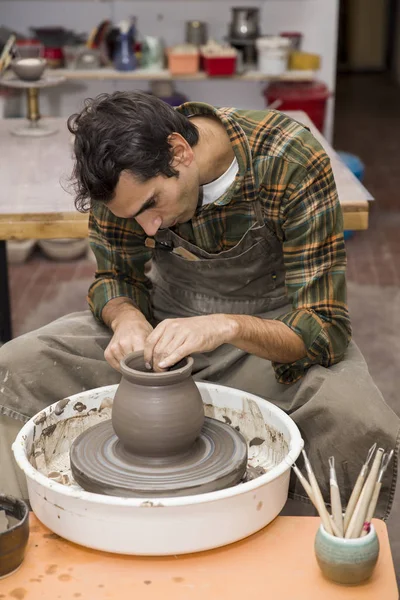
(345, 561)
(157, 414)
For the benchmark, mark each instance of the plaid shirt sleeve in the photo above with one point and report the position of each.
(315, 262)
(121, 254)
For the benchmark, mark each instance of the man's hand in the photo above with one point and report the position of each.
(130, 328)
(129, 336)
(174, 339)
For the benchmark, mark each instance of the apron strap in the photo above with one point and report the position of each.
(267, 231)
(259, 212)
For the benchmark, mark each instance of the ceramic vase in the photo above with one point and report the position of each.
(157, 415)
(345, 561)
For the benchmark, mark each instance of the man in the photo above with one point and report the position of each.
(218, 234)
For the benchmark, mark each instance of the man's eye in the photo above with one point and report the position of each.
(151, 204)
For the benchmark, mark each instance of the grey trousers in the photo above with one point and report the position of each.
(339, 410)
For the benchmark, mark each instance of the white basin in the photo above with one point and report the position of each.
(162, 526)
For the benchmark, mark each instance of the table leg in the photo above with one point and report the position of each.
(32, 96)
(5, 308)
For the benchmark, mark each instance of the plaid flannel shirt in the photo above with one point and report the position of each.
(283, 165)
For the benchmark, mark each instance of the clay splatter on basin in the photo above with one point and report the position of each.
(165, 526)
(50, 450)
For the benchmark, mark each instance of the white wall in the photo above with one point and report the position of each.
(316, 19)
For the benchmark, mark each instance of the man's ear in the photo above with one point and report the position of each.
(182, 151)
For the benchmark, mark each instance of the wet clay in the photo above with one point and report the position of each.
(158, 442)
(216, 460)
(157, 414)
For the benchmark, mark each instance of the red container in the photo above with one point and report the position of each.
(216, 66)
(54, 57)
(309, 97)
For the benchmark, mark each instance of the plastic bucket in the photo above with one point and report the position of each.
(309, 97)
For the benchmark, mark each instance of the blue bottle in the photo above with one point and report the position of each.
(124, 58)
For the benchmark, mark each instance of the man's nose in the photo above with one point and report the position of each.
(149, 224)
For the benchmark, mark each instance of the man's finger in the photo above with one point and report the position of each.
(111, 359)
(151, 342)
(166, 347)
(128, 346)
(171, 360)
(168, 342)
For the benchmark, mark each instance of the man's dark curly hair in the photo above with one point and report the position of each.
(123, 131)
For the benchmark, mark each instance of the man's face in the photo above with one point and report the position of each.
(160, 202)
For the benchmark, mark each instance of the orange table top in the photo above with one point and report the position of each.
(277, 562)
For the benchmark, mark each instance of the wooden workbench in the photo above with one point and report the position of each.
(153, 74)
(276, 563)
(33, 203)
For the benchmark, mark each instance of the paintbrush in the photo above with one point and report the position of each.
(319, 501)
(336, 503)
(357, 520)
(374, 500)
(355, 494)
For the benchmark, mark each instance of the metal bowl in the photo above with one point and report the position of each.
(29, 69)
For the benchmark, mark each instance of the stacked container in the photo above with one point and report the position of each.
(273, 53)
(218, 60)
(183, 59)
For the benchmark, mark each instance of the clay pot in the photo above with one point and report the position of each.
(157, 414)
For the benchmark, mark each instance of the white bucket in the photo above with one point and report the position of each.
(273, 53)
(161, 526)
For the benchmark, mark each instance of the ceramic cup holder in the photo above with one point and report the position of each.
(346, 561)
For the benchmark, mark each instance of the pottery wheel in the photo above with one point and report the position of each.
(100, 464)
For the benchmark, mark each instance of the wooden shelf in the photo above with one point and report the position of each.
(165, 75)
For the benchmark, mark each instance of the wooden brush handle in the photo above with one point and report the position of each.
(319, 504)
(337, 507)
(355, 494)
(372, 506)
(357, 521)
